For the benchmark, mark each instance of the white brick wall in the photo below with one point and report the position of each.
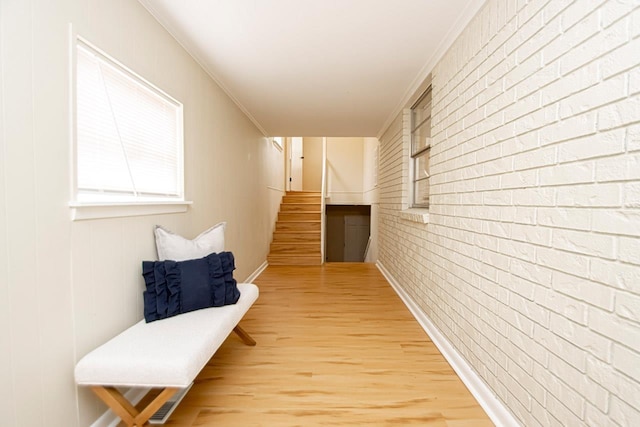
(530, 262)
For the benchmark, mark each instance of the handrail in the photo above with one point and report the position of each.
(366, 249)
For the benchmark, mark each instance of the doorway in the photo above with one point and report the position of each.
(304, 159)
(347, 232)
(295, 164)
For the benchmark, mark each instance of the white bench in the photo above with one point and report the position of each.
(166, 354)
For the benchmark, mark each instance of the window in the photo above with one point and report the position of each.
(128, 140)
(420, 149)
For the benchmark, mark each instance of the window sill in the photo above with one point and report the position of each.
(82, 211)
(420, 215)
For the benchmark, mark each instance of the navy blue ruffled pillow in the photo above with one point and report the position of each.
(175, 287)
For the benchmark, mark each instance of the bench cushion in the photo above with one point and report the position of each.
(165, 353)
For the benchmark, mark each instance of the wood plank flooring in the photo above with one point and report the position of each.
(336, 347)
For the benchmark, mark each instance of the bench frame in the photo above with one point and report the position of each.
(137, 418)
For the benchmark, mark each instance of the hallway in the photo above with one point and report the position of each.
(336, 346)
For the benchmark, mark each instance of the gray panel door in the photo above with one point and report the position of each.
(356, 235)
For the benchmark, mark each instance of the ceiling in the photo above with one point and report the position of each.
(316, 67)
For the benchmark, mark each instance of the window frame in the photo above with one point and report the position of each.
(415, 155)
(128, 205)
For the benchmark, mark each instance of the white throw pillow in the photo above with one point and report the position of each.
(171, 246)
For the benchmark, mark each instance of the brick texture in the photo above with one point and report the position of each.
(530, 262)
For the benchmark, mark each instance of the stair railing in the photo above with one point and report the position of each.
(324, 198)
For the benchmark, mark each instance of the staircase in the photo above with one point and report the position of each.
(296, 240)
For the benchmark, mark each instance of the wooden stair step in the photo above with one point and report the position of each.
(295, 248)
(289, 259)
(299, 236)
(299, 216)
(303, 193)
(302, 199)
(300, 207)
(304, 196)
(298, 225)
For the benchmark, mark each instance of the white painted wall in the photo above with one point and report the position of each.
(345, 171)
(529, 264)
(66, 287)
(370, 191)
(369, 170)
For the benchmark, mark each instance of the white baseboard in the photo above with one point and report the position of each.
(109, 419)
(495, 409)
(256, 273)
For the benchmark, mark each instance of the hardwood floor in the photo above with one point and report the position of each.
(336, 347)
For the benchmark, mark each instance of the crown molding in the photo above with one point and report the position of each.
(468, 13)
(148, 5)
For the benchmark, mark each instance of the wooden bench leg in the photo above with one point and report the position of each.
(245, 337)
(125, 410)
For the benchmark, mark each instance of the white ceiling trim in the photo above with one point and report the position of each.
(470, 11)
(147, 4)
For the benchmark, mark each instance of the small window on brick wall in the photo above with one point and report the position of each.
(420, 149)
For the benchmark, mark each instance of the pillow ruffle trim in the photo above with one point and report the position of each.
(173, 277)
(163, 280)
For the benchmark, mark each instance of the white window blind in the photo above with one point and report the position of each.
(128, 134)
